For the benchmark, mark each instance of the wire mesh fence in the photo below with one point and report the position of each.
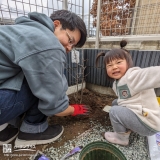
(126, 17)
(147, 19)
(117, 17)
(11, 9)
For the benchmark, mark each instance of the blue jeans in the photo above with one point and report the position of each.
(14, 104)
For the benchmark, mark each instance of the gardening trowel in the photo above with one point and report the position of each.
(72, 152)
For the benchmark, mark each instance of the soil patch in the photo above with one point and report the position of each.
(73, 126)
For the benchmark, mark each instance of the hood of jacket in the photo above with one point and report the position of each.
(39, 17)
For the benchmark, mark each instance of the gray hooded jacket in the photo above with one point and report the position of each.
(29, 48)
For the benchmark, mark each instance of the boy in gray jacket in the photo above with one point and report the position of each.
(32, 80)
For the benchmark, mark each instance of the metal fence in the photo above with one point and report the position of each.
(11, 9)
(97, 75)
(104, 19)
(134, 20)
(126, 17)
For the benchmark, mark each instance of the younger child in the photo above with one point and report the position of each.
(137, 108)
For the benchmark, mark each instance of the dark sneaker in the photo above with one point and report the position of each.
(8, 134)
(51, 134)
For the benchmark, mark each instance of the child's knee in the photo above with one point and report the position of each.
(114, 102)
(113, 111)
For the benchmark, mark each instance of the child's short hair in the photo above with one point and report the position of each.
(114, 54)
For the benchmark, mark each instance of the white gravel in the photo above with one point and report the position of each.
(137, 149)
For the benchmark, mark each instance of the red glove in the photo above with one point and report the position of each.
(80, 109)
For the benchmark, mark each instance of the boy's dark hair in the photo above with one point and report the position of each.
(113, 54)
(71, 21)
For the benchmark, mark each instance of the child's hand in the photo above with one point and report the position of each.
(80, 109)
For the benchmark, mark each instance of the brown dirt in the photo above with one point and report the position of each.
(73, 126)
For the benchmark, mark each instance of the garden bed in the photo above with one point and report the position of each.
(81, 130)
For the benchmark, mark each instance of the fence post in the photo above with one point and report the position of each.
(65, 4)
(98, 24)
(89, 18)
(134, 17)
(83, 10)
